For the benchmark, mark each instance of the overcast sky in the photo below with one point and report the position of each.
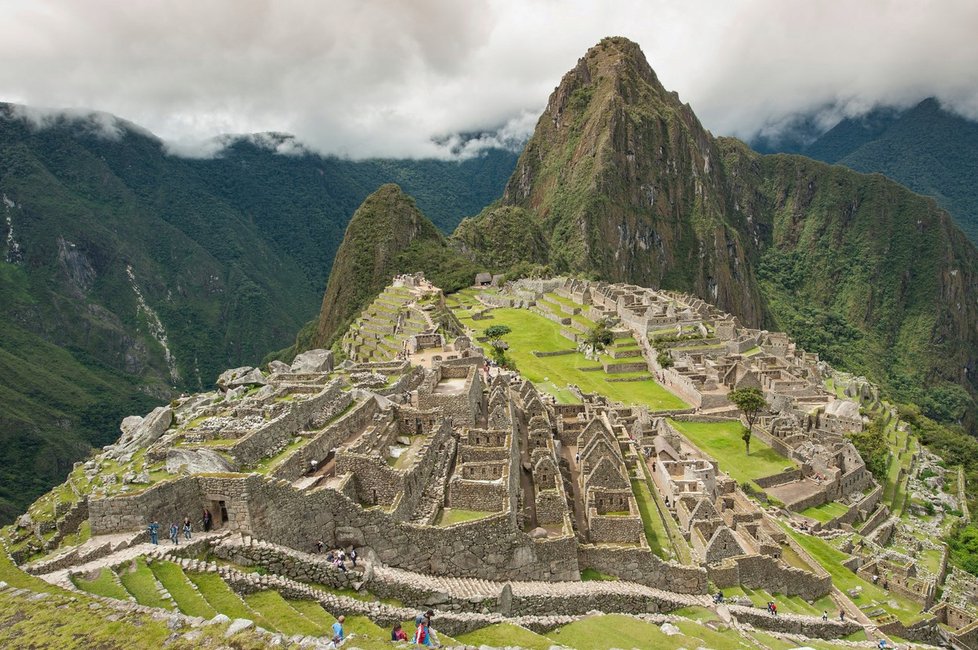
(364, 77)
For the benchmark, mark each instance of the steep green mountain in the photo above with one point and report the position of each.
(128, 275)
(930, 150)
(501, 237)
(627, 184)
(387, 235)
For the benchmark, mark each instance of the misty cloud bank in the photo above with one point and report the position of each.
(383, 78)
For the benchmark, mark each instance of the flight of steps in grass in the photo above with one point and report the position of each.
(175, 587)
(380, 331)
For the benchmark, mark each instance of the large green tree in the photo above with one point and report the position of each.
(750, 401)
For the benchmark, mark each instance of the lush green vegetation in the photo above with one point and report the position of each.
(722, 441)
(105, 584)
(655, 531)
(386, 236)
(219, 595)
(139, 581)
(276, 610)
(188, 599)
(232, 253)
(826, 511)
(534, 333)
(506, 634)
(451, 516)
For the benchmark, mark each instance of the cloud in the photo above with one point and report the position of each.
(385, 78)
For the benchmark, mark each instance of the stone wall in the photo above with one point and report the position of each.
(770, 574)
(614, 529)
(304, 567)
(485, 496)
(268, 440)
(644, 567)
(326, 440)
(786, 476)
(809, 626)
(165, 502)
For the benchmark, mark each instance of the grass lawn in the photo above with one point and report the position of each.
(722, 441)
(534, 333)
(831, 560)
(222, 598)
(505, 634)
(105, 584)
(314, 612)
(594, 574)
(619, 631)
(655, 530)
(826, 511)
(143, 586)
(187, 598)
(451, 516)
(277, 611)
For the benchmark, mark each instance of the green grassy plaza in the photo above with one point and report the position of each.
(722, 441)
(534, 333)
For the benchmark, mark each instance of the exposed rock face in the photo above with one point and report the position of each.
(313, 361)
(143, 433)
(238, 377)
(625, 180)
(197, 461)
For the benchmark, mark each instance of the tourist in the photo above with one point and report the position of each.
(842, 616)
(174, 533)
(398, 634)
(825, 615)
(339, 634)
(330, 557)
(353, 557)
(207, 520)
(774, 609)
(319, 547)
(154, 532)
(186, 527)
(313, 465)
(338, 564)
(422, 635)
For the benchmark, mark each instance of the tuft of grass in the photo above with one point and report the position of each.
(222, 598)
(283, 617)
(139, 581)
(188, 600)
(506, 634)
(105, 584)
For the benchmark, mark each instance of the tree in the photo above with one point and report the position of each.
(665, 359)
(599, 337)
(496, 332)
(497, 347)
(872, 447)
(750, 401)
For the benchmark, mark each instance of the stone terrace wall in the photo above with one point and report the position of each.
(809, 626)
(765, 572)
(316, 449)
(304, 567)
(644, 567)
(274, 436)
(488, 548)
(166, 502)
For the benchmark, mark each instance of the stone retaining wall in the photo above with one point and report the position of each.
(166, 502)
(770, 574)
(644, 567)
(809, 626)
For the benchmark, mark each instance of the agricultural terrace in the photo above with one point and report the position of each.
(534, 333)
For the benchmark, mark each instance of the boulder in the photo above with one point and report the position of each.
(669, 629)
(313, 361)
(347, 536)
(238, 625)
(197, 461)
(538, 533)
(146, 432)
(254, 377)
(278, 366)
(226, 377)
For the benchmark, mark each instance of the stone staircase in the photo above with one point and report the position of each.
(122, 548)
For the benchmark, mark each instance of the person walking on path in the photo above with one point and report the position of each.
(422, 635)
(174, 533)
(186, 527)
(353, 557)
(154, 532)
(207, 520)
(339, 634)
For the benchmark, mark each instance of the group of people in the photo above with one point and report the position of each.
(175, 529)
(772, 608)
(338, 557)
(424, 634)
